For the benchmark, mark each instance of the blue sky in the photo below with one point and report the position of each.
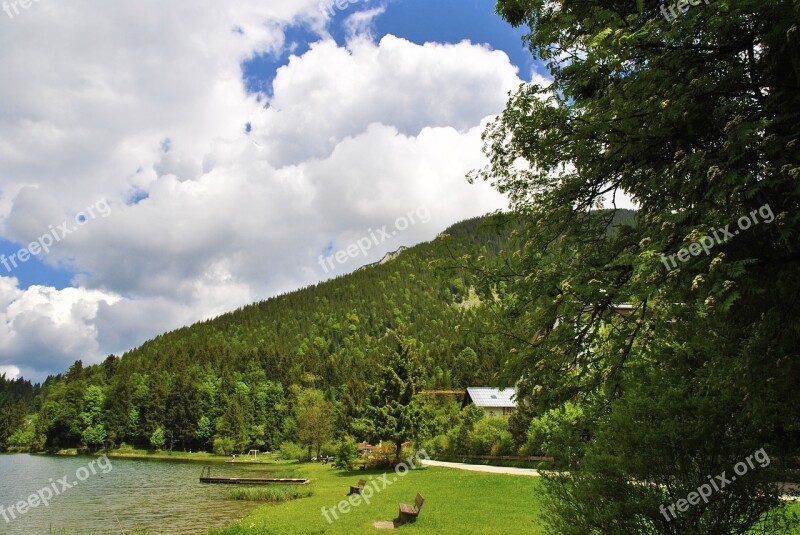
(419, 21)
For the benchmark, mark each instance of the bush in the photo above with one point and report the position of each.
(436, 446)
(125, 448)
(556, 432)
(346, 453)
(382, 457)
(458, 438)
(158, 439)
(292, 452)
(21, 440)
(491, 437)
(224, 446)
(505, 445)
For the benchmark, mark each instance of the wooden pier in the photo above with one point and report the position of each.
(205, 477)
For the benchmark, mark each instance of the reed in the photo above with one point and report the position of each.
(271, 493)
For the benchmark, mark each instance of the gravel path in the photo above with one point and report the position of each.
(787, 487)
(484, 468)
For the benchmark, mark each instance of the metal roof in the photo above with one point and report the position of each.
(492, 397)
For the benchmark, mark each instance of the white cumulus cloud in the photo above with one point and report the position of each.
(110, 101)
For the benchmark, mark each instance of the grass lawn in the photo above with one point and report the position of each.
(456, 501)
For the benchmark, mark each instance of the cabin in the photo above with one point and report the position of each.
(495, 402)
(365, 448)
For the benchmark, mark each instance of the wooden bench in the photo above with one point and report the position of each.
(357, 490)
(409, 513)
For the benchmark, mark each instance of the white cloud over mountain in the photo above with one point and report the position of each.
(106, 101)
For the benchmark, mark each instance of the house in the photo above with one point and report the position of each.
(493, 401)
(364, 448)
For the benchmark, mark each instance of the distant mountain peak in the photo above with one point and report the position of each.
(388, 257)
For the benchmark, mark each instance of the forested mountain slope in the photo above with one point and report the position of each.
(239, 377)
(236, 371)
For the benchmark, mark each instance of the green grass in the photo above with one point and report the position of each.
(794, 507)
(271, 493)
(456, 501)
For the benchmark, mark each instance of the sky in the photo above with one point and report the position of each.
(162, 163)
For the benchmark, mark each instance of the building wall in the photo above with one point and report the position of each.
(497, 412)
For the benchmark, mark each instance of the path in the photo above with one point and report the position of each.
(485, 468)
(536, 473)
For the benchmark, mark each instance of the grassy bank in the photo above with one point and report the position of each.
(455, 502)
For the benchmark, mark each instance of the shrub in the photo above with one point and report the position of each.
(458, 437)
(436, 446)
(158, 439)
(224, 446)
(292, 452)
(491, 437)
(382, 457)
(504, 445)
(556, 432)
(346, 453)
(21, 440)
(125, 448)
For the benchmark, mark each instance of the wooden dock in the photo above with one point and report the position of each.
(205, 477)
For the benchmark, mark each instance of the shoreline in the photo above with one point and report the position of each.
(147, 456)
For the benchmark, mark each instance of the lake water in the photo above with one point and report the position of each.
(163, 497)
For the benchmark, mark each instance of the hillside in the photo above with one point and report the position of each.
(240, 377)
(331, 336)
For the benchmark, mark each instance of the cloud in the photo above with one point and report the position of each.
(147, 102)
(332, 92)
(11, 372)
(42, 326)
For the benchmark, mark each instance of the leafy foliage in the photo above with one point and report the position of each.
(16, 400)
(346, 453)
(696, 119)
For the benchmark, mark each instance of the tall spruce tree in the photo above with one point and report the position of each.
(395, 411)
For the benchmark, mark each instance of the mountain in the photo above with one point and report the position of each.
(238, 376)
(332, 336)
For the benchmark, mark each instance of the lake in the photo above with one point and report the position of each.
(163, 497)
